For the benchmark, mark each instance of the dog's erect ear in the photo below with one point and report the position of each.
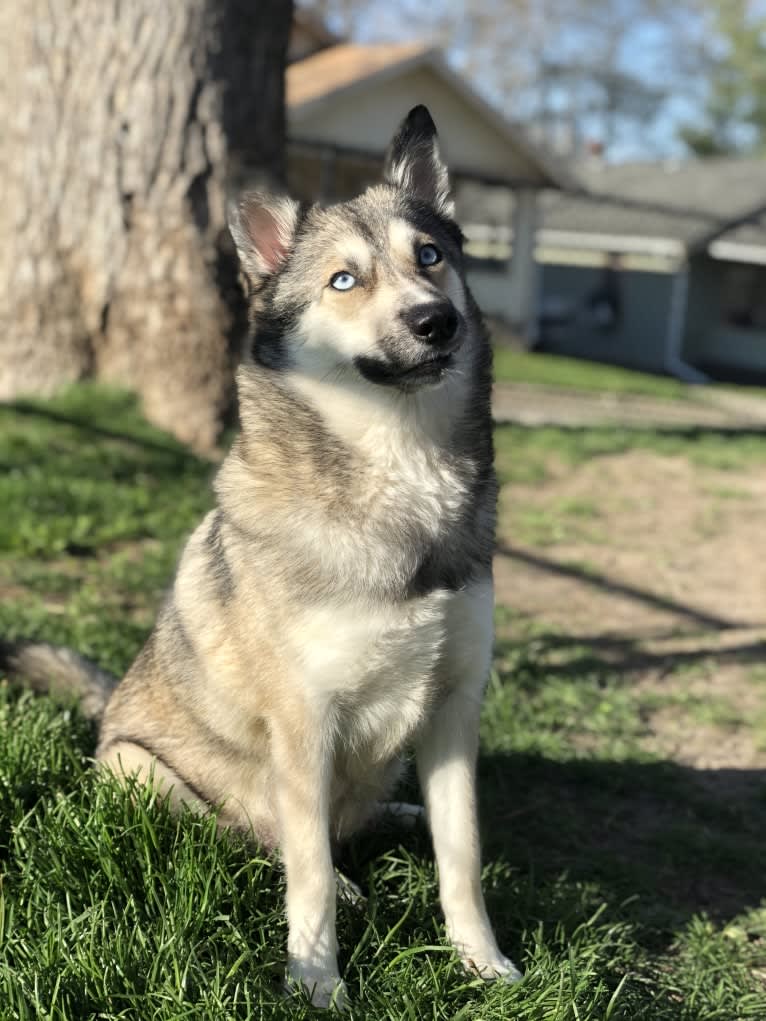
(263, 228)
(414, 162)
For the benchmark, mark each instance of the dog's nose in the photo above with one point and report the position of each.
(434, 323)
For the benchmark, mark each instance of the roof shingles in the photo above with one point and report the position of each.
(692, 202)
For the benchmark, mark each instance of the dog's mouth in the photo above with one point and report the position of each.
(430, 369)
(435, 365)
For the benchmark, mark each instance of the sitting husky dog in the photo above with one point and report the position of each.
(335, 609)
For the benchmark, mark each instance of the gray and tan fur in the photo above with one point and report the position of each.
(335, 609)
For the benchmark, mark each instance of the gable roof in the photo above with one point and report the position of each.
(691, 203)
(332, 70)
(326, 80)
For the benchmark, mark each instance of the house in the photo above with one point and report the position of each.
(344, 102)
(660, 267)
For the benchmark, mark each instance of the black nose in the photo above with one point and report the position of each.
(434, 323)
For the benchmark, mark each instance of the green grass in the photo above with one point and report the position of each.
(558, 522)
(621, 887)
(531, 455)
(541, 369)
(85, 470)
(512, 366)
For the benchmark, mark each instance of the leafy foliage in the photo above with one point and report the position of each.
(734, 117)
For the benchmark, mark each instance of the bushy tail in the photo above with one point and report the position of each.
(59, 671)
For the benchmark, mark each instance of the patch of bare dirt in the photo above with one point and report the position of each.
(718, 722)
(666, 577)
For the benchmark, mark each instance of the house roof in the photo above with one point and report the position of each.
(690, 203)
(319, 85)
(329, 71)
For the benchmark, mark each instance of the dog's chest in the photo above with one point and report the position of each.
(376, 664)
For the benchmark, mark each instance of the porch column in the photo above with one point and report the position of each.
(522, 275)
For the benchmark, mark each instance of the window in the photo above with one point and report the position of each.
(744, 296)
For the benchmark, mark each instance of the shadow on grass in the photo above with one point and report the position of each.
(657, 842)
(610, 437)
(617, 655)
(593, 579)
(169, 447)
(679, 840)
(89, 473)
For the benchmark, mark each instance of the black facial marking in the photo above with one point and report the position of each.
(269, 346)
(363, 228)
(430, 222)
(375, 370)
(406, 376)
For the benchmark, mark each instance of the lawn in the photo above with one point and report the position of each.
(624, 864)
(538, 368)
(514, 366)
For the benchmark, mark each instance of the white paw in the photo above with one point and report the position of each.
(490, 967)
(325, 989)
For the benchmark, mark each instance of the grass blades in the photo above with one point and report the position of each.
(600, 857)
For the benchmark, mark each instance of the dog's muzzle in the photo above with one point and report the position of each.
(435, 323)
(420, 352)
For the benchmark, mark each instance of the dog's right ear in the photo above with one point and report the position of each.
(263, 228)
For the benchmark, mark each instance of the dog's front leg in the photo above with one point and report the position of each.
(302, 767)
(446, 758)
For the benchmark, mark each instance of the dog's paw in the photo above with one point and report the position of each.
(494, 968)
(399, 813)
(487, 962)
(323, 989)
(348, 891)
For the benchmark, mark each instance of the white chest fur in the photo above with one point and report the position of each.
(376, 664)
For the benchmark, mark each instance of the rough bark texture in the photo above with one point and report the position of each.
(126, 125)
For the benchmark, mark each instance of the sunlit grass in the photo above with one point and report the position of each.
(600, 859)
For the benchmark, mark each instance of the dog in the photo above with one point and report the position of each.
(336, 608)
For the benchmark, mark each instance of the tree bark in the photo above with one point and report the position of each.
(127, 124)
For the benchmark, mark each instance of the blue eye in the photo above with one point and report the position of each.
(429, 255)
(342, 281)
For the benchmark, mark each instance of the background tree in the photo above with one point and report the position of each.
(571, 70)
(125, 127)
(734, 110)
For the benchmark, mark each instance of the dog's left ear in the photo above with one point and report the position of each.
(414, 162)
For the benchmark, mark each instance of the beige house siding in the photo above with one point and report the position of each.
(363, 118)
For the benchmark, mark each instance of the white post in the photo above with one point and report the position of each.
(521, 308)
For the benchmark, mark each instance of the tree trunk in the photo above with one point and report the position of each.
(127, 124)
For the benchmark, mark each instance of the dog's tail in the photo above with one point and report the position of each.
(59, 671)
